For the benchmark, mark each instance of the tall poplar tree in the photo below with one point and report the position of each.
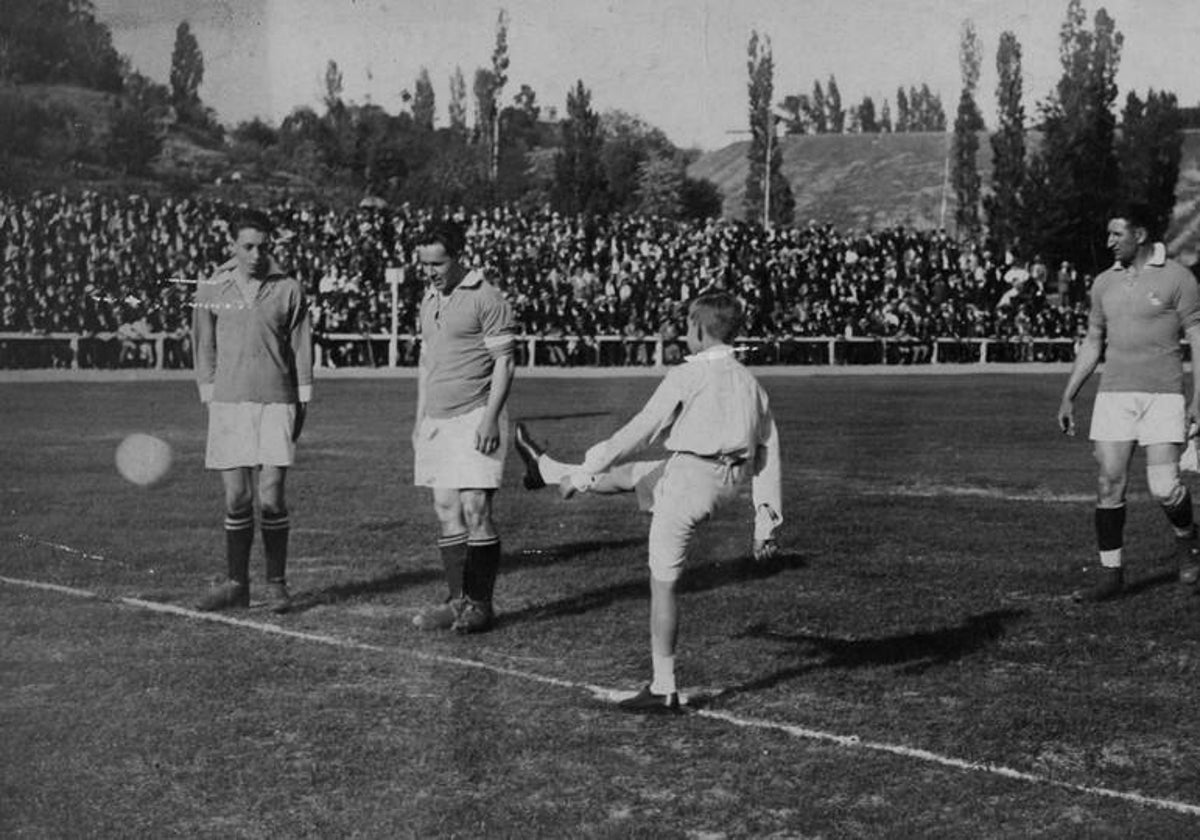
(457, 109)
(967, 125)
(903, 119)
(499, 78)
(820, 108)
(424, 105)
(187, 73)
(1073, 180)
(764, 156)
(833, 107)
(578, 174)
(1149, 151)
(1004, 206)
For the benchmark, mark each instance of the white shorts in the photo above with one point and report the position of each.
(645, 477)
(686, 494)
(446, 456)
(248, 434)
(1138, 416)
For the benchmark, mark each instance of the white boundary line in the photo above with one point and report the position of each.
(794, 731)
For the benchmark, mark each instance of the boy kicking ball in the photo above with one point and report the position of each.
(714, 419)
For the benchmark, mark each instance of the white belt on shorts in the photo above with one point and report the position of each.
(722, 458)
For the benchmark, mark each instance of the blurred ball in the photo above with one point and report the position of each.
(143, 459)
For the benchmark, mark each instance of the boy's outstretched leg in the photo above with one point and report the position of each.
(530, 452)
(541, 469)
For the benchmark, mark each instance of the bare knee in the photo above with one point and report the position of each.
(1164, 484)
(477, 511)
(448, 510)
(1110, 488)
(271, 495)
(239, 492)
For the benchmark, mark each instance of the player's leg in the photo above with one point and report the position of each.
(482, 561)
(452, 547)
(542, 469)
(1112, 458)
(1162, 477)
(276, 527)
(664, 634)
(685, 494)
(237, 484)
(1162, 431)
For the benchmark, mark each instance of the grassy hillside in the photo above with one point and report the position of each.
(873, 180)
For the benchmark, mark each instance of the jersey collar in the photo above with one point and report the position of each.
(719, 351)
(471, 280)
(1158, 257)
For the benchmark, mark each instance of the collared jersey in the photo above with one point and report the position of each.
(710, 406)
(257, 350)
(1143, 314)
(462, 334)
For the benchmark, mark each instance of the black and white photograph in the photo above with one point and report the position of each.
(698, 419)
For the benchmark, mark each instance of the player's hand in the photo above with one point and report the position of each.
(487, 437)
(1066, 418)
(298, 426)
(765, 549)
(1193, 417)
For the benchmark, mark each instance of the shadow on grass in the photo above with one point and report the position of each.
(578, 415)
(1150, 582)
(698, 579)
(398, 580)
(915, 652)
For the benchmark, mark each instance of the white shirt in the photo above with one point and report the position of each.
(710, 406)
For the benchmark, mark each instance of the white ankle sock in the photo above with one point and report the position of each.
(664, 674)
(552, 470)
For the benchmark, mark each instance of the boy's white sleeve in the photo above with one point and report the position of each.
(648, 425)
(766, 488)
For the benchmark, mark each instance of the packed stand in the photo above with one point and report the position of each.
(120, 270)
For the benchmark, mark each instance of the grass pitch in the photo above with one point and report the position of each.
(911, 667)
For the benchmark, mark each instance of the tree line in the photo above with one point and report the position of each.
(513, 150)
(1053, 185)
(822, 112)
(1054, 178)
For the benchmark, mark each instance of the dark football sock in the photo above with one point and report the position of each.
(454, 560)
(1110, 528)
(275, 528)
(239, 537)
(483, 564)
(1180, 514)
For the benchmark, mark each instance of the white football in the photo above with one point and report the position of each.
(143, 459)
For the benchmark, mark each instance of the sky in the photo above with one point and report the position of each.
(680, 65)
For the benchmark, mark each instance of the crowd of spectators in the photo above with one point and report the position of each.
(122, 269)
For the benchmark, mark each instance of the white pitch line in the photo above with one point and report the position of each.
(938, 491)
(600, 692)
(26, 538)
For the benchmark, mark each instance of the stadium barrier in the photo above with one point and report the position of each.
(162, 351)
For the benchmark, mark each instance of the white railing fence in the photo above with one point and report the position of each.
(383, 350)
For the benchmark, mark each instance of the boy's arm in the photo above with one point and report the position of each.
(655, 418)
(766, 491)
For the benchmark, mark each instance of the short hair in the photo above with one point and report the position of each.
(445, 232)
(246, 218)
(1138, 214)
(718, 313)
